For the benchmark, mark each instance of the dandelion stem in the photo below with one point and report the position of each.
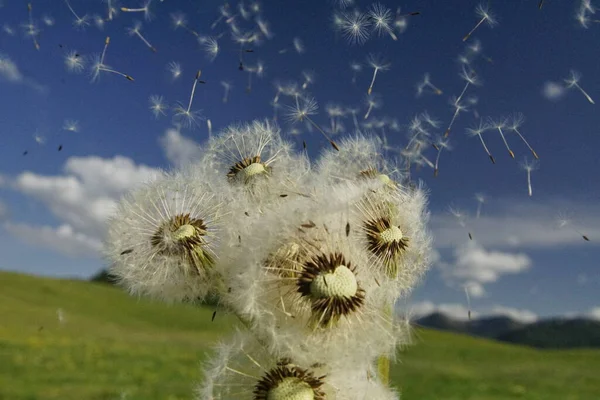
(473, 30)
(145, 41)
(506, 143)
(193, 90)
(333, 144)
(372, 81)
(529, 182)
(526, 143)
(587, 96)
(486, 149)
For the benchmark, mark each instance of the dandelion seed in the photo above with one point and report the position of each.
(378, 64)
(440, 144)
(302, 111)
(356, 68)
(158, 106)
(74, 62)
(299, 45)
(309, 78)
(80, 22)
(373, 100)
(209, 127)
(485, 15)
(517, 120)
(98, 21)
(499, 124)
(227, 88)
(264, 27)
(8, 30)
(573, 82)
(175, 69)
(468, 302)
(189, 118)
(564, 220)
(355, 27)
(477, 131)
(31, 28)
(48, 20)
(458, 108)
(210, 46)
(71, 125)
(461, 218)
(528, 167)
(99, 66)
(39, 139)
(135, 31)
(480, 197)
(111, 9)
(381, 17)
(145, 9)
(179, 21)
(426, 83)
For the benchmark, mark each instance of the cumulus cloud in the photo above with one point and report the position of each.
(461, 312)
(472, 266)
(9, 71)
(519, 224)
(82, 199)
(179, 149)
(553, 91)
(62, 239)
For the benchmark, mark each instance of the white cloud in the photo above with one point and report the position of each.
(82, 199)
(520, 224)
(514, 313)
(594, 313)
(553, 91)
(179, 149)
(62, 239)
(461, 312)
(9, 70)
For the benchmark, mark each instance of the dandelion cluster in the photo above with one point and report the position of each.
(311, 261)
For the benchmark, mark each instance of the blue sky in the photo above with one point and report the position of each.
(53, 204)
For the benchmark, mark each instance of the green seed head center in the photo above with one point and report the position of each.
(339, 283)
(291, 388)
(390, 235)
(183, 232)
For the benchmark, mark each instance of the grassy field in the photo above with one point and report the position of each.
(111, 346)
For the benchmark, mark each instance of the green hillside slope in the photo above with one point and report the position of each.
(64, 339)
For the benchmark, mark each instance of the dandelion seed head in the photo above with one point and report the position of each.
(175, 69)
(355, 27)
(74, 61)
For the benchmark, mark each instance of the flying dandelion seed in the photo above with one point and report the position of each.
(309, 78)
(426, 84)
(461, 218)
(39, 139)
(210, 46)
(382, 20)
(31, 28)
(573, 82)
(80, 22)
(98, 21)
(499, 124)
(440, 144)
(158, 106)
(480, 198)
(373, 100)
(48, 20)
(145, 9)
(111, 9)
(179, 21)
(99, 66)
(71, 125)
(477, 131)
(564, 219)
(74, 62)
(186, 116)
(458, 108)
(135, 31)
(356, 68)
(227, 88)
(355, 27)
(299, 45)
(302, 111)
(516, 121)
(529, 166)
(482, 12)
(174, 69)
(378, 64)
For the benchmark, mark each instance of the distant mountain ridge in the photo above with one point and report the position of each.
(555, 333)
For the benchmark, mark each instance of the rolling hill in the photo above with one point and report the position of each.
(63, 339)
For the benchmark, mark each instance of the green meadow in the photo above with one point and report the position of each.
(111, 346)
